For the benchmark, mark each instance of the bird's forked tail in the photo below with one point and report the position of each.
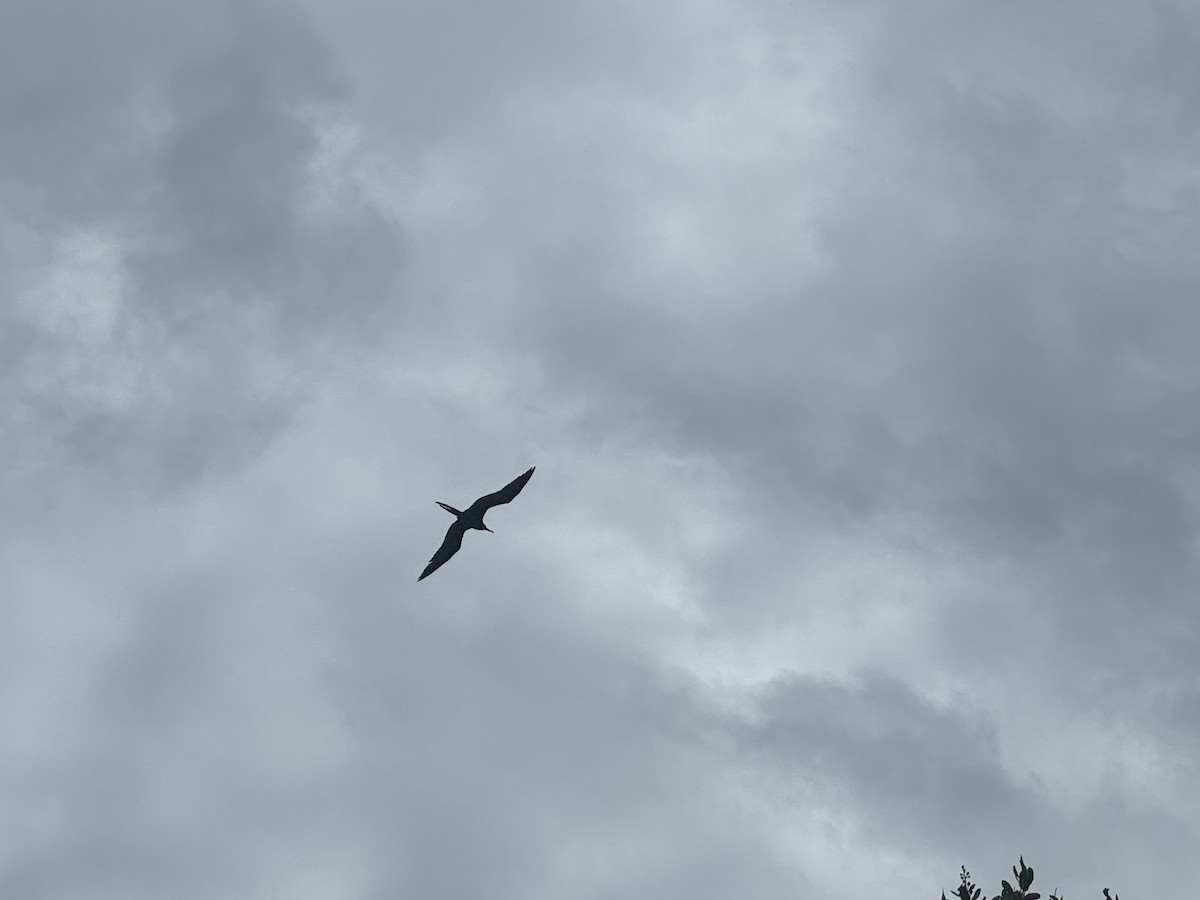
(448, 508)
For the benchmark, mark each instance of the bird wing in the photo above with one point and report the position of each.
(450, 545)
(505, 494)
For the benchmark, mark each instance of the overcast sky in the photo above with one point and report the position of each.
(855, 345)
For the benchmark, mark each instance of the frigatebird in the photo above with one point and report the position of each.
(472, 517)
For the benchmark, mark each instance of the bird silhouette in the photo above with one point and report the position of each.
(472, 517)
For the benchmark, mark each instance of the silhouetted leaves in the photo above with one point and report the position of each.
(967, 890)
(1025, 876)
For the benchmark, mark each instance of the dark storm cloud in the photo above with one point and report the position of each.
(913, 768)
(196, 157)
(237, 184)
(991, 336)
(78, 82)
(454, 68)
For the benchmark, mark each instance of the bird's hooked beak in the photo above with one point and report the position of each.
(485, 528)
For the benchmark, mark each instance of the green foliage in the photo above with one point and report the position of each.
(968, 890)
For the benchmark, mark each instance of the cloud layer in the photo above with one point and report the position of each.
(852, 346)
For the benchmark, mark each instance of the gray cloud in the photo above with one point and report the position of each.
(225, 264)
(852, 347)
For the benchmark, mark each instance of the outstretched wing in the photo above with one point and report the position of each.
(450, 545)
(504, 495)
